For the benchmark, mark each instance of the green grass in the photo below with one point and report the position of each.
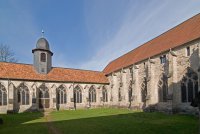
(17, 124)
(100, 121)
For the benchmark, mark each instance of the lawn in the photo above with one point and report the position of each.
(99, 121)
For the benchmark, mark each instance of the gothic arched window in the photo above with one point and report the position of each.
(43, 57)
(23, 95)
(92, 94)
(3, 95)
(183, 92)
(189, 86)
(190, 90)
(61, 95)
(163, 88)
(144, 90)
(77, 95)
(105, 94)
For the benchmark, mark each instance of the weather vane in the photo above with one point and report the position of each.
(42, 33)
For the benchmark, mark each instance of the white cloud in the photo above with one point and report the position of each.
(139, 22)
(138, 27)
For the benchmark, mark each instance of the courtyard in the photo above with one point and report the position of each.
(98, 121)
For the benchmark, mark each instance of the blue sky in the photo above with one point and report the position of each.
(88, 34)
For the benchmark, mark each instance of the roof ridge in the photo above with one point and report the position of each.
(78, 69)
(15, 63)
(53, 67)
(16, 71)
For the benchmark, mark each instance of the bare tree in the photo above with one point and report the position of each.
(6, 54)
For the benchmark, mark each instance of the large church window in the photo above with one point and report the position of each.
(189, 86)
(46, 94)
(190, 91)
(61, 95)
(163, 88)
(183, 92)
(18, 96)
(43, 57)
(3, 95)
(163, 59)
(144, 90)
(196, 89)
(105, 94)
(92, 94)
(23, 95)
(77, 95)
(188, 51)
(40, 94)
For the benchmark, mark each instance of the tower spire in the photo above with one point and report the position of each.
(42, 33)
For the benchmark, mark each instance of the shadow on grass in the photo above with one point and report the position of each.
(15, 123)
(137, 123)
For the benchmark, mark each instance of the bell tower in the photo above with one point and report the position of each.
(42, 56)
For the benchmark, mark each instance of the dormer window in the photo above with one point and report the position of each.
(163, 59)
(188, 51)
(43, 57)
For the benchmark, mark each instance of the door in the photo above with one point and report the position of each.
(43, 103)
(44, 98)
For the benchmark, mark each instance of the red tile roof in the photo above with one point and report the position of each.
(27, 72)
(177, 36)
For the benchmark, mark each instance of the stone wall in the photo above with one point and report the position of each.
(148, 73)
(138, 86)
(12, 87)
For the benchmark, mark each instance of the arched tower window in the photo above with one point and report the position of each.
(3, 95)
(43, 57)
(23, 95)
(163, 88)
(77, 95)
(61, 95)
(92, 94)
(189, 86)
(105, 94)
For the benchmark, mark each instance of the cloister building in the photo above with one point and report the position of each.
(162, 74)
